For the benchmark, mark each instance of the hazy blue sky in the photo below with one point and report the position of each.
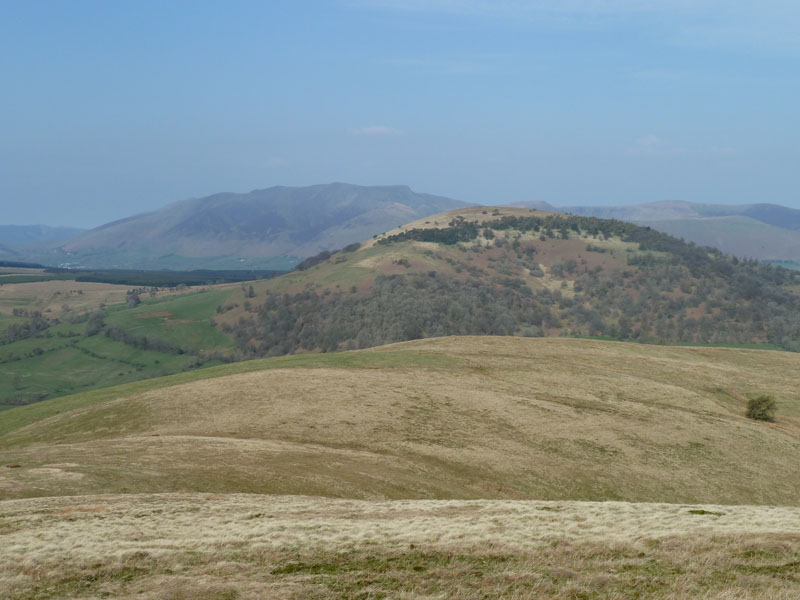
(109, 108)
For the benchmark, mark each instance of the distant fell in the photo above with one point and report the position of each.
(769, 214)
(269, 228)
(762, 231)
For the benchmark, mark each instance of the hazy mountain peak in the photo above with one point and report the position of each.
(270, 227)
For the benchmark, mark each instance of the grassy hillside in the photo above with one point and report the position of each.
(443, 418)
(183, 321)
(39, 368)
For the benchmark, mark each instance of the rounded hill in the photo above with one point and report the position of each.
(470, 417)
(516, 271)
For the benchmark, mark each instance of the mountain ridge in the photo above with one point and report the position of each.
(260, 229)
(271, 228)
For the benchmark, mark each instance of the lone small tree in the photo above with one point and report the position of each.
(132, 299)
(761, 408)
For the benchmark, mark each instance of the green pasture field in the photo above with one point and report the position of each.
(57, 366)
(182, 320)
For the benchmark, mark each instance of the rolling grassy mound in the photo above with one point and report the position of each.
(472, 417)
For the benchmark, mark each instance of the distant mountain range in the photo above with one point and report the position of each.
(762, 231)
(35, 234)
(271, 228)
(278, 227)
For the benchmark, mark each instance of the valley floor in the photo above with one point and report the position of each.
(204, 546)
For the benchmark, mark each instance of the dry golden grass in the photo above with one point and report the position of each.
(18, 270)
(500, 418)
(245, 546)
(53, 296)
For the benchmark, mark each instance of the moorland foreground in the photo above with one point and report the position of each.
(461, 467)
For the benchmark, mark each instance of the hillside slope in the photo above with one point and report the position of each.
(514, 271)
(474, 417)
(270, 228)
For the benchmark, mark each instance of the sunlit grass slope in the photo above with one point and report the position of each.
(463, 417)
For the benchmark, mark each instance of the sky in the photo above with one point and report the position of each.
(109, 109)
